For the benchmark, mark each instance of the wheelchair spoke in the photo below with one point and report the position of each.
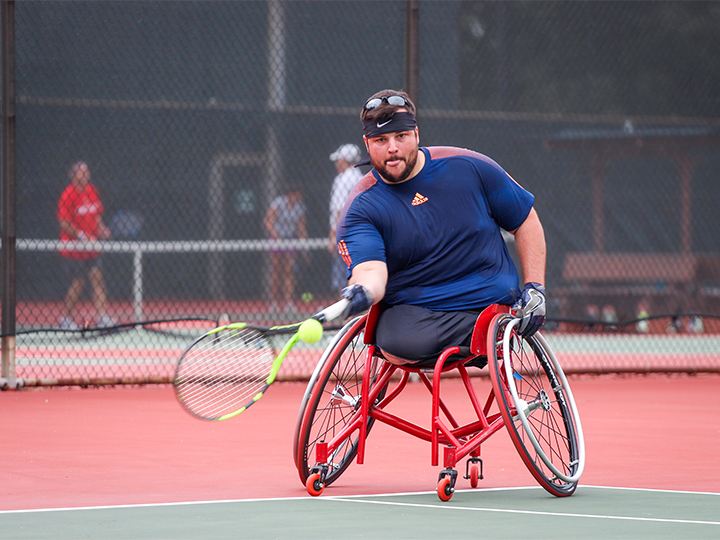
(331, 401)
(534, 402)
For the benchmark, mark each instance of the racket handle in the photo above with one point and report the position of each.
(331, 312)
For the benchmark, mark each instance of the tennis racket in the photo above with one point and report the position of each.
(229, 368)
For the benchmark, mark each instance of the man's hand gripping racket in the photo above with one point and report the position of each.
(229, 368)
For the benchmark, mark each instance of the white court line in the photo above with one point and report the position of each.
(145, 505)
(654, 490)
(518, 488)
(353, 498)
(530, 512)
(226, 501)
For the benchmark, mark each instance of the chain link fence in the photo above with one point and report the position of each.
(191, 119)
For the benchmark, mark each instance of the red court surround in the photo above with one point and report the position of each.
(107, 446)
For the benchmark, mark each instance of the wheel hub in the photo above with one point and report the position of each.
(545, 400)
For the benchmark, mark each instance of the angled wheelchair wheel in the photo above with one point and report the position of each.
(332, 398)
(537, 406)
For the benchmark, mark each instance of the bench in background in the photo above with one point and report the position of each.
(665, 281)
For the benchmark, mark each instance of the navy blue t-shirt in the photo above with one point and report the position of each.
(439, 232)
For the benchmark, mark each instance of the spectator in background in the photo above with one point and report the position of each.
(80, 216)
(345, 157)
(285, 220)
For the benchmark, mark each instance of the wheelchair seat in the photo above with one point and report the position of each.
(475, 355)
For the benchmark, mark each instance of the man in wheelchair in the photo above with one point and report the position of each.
(422, 233)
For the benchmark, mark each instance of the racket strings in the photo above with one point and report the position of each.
(224, 371)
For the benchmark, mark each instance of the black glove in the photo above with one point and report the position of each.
(530, 309)
(360, 300)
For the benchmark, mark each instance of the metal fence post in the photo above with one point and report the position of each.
(8, 379)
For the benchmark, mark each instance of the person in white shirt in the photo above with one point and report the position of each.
(345, 157)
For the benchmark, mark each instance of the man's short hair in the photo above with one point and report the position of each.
(385, 109)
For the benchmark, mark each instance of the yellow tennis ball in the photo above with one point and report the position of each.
(310, 331)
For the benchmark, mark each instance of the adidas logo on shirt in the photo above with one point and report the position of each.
(419, 199)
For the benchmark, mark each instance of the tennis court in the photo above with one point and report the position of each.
(127, 462)
(595, 512)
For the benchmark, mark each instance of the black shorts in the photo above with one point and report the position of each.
(79, 268)
(416, 336)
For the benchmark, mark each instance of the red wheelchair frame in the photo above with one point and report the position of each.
(350, 390)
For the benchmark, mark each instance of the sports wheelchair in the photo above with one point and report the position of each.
(353, 384)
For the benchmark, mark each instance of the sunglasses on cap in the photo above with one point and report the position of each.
(397, 101)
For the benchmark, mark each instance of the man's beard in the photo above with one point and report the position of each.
(409, 166)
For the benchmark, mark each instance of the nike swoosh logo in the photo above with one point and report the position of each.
(535, 302)
(384, 123)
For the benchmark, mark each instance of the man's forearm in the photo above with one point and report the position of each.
(531, 249)
(372, 275)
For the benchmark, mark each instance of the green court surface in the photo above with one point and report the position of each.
(592, 512)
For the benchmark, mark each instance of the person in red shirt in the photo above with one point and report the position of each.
(80, 216)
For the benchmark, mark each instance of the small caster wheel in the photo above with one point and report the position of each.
(314, 485)
(474, 476)
(444, 489)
